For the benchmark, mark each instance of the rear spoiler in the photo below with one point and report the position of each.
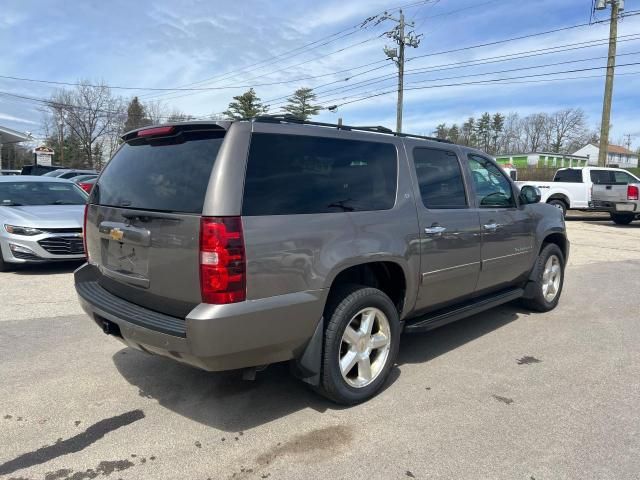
(174, 129)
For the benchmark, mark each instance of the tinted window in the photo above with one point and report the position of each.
(571, 176)
(492, 187)
(623, 178)
(600, 177)
(161, 174)
(439, 178)
(40, 193)
(294, 174)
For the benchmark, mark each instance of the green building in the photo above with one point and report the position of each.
(542, 159)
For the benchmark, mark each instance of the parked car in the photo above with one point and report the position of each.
(69, 173)
(40, 220)
(81, 178)
(39, 169)
(620, 199)
(571, 187)
(9, 172)
(232, 245)
(88, 183)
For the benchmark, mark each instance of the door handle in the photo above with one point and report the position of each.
(435, 230)
(492, 226)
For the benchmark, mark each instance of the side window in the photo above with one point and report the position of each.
(600, 177)
(492, 187)
(440, 178)
(296, 174)
(569, 175)
(623, 178)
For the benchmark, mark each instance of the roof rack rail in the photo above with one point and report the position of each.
(287, 118)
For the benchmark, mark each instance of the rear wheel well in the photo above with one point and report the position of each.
(562, 198)
(385, 276)
(557, 239)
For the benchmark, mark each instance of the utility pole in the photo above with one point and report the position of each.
(616, 7)
(397, 54)
(61, 145)
(628, 141)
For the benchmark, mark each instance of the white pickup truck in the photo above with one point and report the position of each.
(620, 200)
(571, 188)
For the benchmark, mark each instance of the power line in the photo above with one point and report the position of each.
(337, 51)
(304, 49)
(472, 63)
(469, 47)
(479, 82)
(119, 87)
(171, 89)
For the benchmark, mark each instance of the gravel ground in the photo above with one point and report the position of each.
(502, 395)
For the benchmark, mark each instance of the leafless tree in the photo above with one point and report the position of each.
(92, 115)
(533, 128)
(156, 112)
(178, 116)
(510, 140)
(566, 125)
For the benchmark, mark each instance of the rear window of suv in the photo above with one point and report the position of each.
(296, 174)
(160, 174)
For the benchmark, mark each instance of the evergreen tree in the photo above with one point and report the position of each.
(442, 131)
(300, 104)
(468, 132)
(454, 133)
(483, 131)
(135, 115)
(497, 125)
(247, 105)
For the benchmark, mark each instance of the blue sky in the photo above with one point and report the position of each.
(169, 44)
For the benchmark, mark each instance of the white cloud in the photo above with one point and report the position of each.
(13, 118)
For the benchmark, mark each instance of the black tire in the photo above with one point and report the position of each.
(537, 300)
(560, 204)
(341, 309)
(4, 266)
(622, 218)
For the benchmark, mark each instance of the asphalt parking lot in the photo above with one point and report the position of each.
(502, 395)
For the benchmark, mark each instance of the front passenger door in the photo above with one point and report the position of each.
(507, 229)
(449, 230)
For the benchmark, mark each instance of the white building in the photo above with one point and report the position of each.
(10, 136)
(617, 156)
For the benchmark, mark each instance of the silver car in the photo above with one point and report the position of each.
(40, 220)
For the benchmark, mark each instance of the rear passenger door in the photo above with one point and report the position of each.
(449, 229)
(507, 229)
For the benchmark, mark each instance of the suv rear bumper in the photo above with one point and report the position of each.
(212, 337)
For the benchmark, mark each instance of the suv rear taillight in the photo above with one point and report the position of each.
(84, 231)
(222, 260)
(632, 192)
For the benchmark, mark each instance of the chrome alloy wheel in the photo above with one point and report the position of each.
(551, 278)
(364, 348)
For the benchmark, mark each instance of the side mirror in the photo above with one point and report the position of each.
(530, 194)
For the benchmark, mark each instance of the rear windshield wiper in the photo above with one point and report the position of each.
(11, 204)
(63, 202)
(341, 204)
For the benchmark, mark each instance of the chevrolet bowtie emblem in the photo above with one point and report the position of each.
(116, 234)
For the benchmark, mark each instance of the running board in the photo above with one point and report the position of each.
(439, 318)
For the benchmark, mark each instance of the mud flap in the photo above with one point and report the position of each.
(307, 366)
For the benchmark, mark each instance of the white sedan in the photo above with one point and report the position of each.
(41, 220)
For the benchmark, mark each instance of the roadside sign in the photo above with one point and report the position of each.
(44, 155)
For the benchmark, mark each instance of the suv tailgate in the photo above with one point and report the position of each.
(143, 221)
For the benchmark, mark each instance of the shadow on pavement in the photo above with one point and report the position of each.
(225, 401)
(45, 268)
(632, 225)
(423, 347)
